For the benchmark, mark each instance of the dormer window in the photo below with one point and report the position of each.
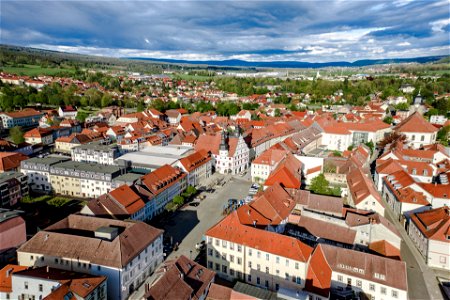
(414, 171)
(425, 173)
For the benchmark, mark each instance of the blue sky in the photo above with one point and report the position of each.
(313, 31)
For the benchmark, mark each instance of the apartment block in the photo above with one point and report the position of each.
(13, 186)
(95, 153)
(38, 172)
(125, 252)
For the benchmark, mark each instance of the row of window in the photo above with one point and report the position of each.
(372, 287)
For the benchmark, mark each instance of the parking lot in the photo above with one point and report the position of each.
(188, 225)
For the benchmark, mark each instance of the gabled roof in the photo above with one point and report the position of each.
(162, 178)
(6, 276)
(195, 160)
(360, 187)
(385, 248)
(434, 224)
(288, 173)
(131, 201)
(63, 239)
(232, 230)
(11, 160)
(415, 123)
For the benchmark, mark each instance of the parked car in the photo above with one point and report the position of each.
(200, 245)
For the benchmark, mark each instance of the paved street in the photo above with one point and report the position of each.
(188, 225)
(422, 281)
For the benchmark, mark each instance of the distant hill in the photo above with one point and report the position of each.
(294, 64)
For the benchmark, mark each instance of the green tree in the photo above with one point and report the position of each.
(106, 100)
(277, 112)
(140, 106)
(443, 135)
(190, 190)
(16, 134)
(178, 200)
(81, 116)
(388, 120)
(319, 185)
(370, 145)
(402, 106)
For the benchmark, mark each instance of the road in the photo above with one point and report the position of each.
(189, 224)
(422, 281)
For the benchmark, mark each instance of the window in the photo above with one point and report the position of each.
(231, 246)
(217, 242)
(210, 265)
(210, 252)
(267, 270)
(239, 261)
(258, 267)
(231, 258)
(383, 290)
(299, 280)
(224, 244)
(266, 284)
(394, 294)
(258, 254)
(287, 262)
(224, 269)
(40, 288)
(249, 278)
(413, 137)
(372, 287)
(249, 264)
(239, 248)
(267, 256)
(359, 283)
(258, 280)
(231, 272)
(340, 278)
(442, 259)
(296, 265)
(249, 252)
(277, 286)
(25, 285)
(217, 254)
(278, 260)
(286, 276)
(422, 138)
(349, 281)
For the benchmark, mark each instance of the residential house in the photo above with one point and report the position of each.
(10, 161)
(430, 232)
(263, 165)
(181, 279)
(39, 135)
(37, 171)
(417, 130)
(198, 167)
(67, 112)
(24, 118)
(126, 252)
(83, 180)
(362, 193)
(338, 273)
(173, 117)
(163, 184)
(65, 144)
(13, 187)
(95, 153)
(261, 258)
(51, 283)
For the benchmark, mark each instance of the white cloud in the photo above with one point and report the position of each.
(404, 44)
(438, 26)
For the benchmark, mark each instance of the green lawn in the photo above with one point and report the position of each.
(33, 70)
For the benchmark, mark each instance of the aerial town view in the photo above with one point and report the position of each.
(225, 150)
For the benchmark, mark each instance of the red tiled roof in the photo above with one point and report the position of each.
(6, 275)
(288, 173)
(28, 112)
(437, 190)
(434, 224)
(232, 230)
(415, 123)
(11, 160)
(162, 178)
(195, 160)
(128, 199)
(385, 248)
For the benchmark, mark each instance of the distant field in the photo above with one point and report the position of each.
(192, 77)
(33, 70)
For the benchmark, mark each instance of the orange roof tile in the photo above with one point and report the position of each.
(232, 230)
(415, 123)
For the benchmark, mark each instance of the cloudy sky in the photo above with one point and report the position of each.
(313, 31)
